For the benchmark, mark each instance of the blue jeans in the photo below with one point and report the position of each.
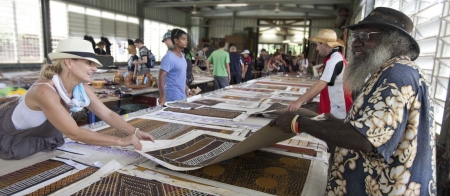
(220, 82)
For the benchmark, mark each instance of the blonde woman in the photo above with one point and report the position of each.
(38, 120)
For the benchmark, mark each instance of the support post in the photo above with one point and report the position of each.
(46, 32)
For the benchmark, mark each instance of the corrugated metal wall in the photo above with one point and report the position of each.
(220, 27)
(129, 7)
(197, 31)
(168, 15)
(318, 24)
(122, 6)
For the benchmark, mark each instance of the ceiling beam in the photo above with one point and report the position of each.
(249, 2)
(281, 26)
(268, 16)
(271, 8)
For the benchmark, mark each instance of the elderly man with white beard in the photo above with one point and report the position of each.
(385, 146)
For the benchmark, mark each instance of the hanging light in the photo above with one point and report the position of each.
(276, 8)
(195, 10)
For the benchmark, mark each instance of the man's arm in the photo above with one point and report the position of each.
(196, 60)
(332, 130)
(143, 61)
(310, 94)
(207, 67)
(228, 71)
(188, 91)
(338, 133)
(161, 83)
(244, 69)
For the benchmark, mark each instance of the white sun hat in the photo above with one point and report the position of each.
(246, 52)
(74, 49)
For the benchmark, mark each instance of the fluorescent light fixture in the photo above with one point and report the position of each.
(232, 5)
(287, 41)
(268, 35)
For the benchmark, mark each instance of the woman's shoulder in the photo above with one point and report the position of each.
(42, 90)
(43, 85)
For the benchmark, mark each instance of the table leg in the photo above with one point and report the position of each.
(91, 117)
(203, 87)
(118, 103)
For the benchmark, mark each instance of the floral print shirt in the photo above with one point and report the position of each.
(395, 112)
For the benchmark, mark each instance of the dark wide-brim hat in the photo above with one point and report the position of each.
(387, 18)
(101, 43)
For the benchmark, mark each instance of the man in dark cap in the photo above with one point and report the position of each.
(386, 145)
(166, 40)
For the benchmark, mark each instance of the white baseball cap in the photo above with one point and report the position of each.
(246, 52)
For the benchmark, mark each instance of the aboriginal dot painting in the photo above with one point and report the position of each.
(275, 106)
(208, 102)
(29, 176)
(183, 105)
(211, 112)
(240, 98)
(261, 171)
(143, 124)
(289, 79)
(268, 87)
(55, 186)
(281, 84)
(282, 101)
(159, 129)
(255, 90)
(117, 184)
(196, 152)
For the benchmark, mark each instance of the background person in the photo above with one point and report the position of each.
(100, 50)
(172, 75)
(334, 98)
(236, 66)
(221, 66)
(143, 52)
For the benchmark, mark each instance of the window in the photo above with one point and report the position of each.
(431, 22)
(21, 31)
(153, 35)
(58, 22)
(72, 21)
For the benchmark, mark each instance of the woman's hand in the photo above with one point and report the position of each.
(144, 136)
(130, 140)
(134, 139)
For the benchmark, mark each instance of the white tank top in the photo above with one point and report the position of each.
(25, 118)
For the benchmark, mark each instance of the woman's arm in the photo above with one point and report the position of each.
(110, 117)
(106, 114)
(196, 60)
(47, 100)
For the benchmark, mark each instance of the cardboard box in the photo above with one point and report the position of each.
(235, 39)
